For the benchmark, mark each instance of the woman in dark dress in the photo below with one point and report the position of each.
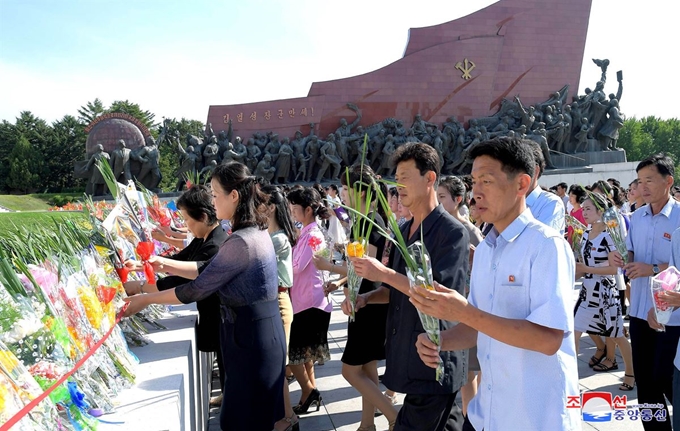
(244, 275)
(197, 209)
(366, 334)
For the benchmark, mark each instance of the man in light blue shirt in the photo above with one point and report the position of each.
(649, 251)
(673, 299)
(546, 207)
(519, 312)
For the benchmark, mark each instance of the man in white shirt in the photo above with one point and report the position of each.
(546, 207)
(634, 197)
(649, 251)
(519, 312)
(562, 193)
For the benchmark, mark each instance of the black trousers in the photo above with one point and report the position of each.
(467, 425)
(653, 355)
(430, 412)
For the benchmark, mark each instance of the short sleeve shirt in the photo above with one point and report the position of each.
(649, 238)
(547, 208)
(526, 272)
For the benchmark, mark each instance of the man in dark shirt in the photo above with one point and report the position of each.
(428, 405)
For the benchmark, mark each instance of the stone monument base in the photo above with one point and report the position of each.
(579, 160)
(624, 172)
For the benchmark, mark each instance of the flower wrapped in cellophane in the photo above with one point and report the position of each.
(578, 229)
(667, 280)
(611, 219)
(24, 332)
(354, 249)
(419, 272)
(321, 248)
(360, 194)
(17, 389)
(416, 259)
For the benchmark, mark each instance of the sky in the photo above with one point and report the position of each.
(175, 58)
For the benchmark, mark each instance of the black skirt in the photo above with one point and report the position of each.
(366, 336)
(309, 336)
(253, 347)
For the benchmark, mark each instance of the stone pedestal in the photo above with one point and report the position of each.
(579, 160)
(173, 381)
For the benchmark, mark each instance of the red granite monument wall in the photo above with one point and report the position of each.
(529, 48)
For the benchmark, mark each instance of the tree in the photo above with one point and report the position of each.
(8, 139)
(24, 167)
(39, 135)
(126, 107)
(169, 164)
(91, 111)
(650, 135)
(67, 147)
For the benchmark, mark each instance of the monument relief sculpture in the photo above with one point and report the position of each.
(329, 157)
(283, 162)
(120, 161)
(149, 157)
(188, 160)
(565, 132)
(96, 184)
(265, 169)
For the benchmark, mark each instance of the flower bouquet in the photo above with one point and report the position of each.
(576, 237)
(610, 217)
(419, 272)
(667, 280)
(418, 268)
(354, 249)
(321, 248)
(362, 224)
(18, 388)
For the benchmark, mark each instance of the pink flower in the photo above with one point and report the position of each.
(314, 243)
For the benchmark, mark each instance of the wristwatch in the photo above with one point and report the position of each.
(655, 269)
(141, 286)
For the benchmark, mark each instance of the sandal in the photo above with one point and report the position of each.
(594, 360)
(602, 367)
(625, 386)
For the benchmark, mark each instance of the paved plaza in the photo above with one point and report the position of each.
(341, 406)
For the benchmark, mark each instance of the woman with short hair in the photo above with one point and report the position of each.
(244, 275)
(198, 212)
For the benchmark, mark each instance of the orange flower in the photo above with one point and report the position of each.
(426, 287)
(355, 249)
(612, 224)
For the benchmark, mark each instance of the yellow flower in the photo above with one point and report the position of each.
(93, 308)
(4, 394)
(7, 360)
(355, 249)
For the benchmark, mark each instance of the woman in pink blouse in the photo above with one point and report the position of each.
(311, 309)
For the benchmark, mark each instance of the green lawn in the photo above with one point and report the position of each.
(23, 203)
(8, 220)
(34, 202)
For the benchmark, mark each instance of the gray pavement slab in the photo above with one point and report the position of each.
(341, 406)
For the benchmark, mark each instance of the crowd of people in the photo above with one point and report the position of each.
(504, 277)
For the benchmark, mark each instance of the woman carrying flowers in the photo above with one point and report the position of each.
(598, 310)
(244, 275)
(366, 332)
(311, 309)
